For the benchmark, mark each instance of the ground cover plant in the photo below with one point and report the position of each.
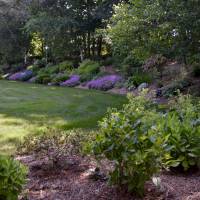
(26, 108)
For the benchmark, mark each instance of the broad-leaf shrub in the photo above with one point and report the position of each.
(130, 139)
(182, 127)
(12, 178)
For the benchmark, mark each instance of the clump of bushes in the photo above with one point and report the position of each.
(88, 69)
(131, 65)
(59, 78)
(66, 66)
(175, 87)
(104, 83)
(12, 178)
(55, 145)
(138, 79)
(141, 138)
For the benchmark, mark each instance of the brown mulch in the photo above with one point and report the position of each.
(76, 182)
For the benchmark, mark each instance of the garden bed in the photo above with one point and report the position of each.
(75, 182)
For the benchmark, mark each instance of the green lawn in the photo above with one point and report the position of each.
(27, 108)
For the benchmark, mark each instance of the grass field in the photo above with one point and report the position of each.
(27, 108)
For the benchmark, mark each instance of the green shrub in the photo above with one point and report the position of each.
(88, 69)
(59, 78)
(65, 66)
(34, 68)
(174, 87)
(43, 79)
(182, 127)
(40, 62)
(128, 139)
(196, 70)
(54, 144)
(12, 178)
(131, 66)
(142, 137)
(138, 79)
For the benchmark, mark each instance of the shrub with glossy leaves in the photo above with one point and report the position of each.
(128, 137)
(12, 178)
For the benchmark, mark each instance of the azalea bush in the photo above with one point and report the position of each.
(12, 178)
(104, 83)
(73, 81)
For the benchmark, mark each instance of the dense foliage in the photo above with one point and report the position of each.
(141, 138)
(12, 178)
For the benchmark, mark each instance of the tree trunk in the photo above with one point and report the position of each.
(99, 46)
(88, 43)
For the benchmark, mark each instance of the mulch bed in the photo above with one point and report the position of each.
(75, 182)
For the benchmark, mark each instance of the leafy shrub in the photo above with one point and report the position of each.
(43, 78)
(34, 68)
(155, 62)
(131, 65)
(138, 79)
(40, 62)
(56, 144)
(65, 66)
(127, 138)
(88, 69)
(59, 78)
(104, 83)
(182, 127)
(141, 138)
(73, 81)
(12, 178)
(196, 70)
(173, 88)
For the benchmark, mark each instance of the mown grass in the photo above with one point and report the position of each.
(27, 108)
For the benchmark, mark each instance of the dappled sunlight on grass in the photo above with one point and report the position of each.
(28, 108)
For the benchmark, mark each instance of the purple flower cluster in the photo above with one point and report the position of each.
(72, 82)
(21, 76)
(104, 83)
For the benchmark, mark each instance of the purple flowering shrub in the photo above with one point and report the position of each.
(104, 83)
(21, 76)
(73, 81)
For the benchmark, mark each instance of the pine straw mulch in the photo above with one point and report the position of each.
(76, 181)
